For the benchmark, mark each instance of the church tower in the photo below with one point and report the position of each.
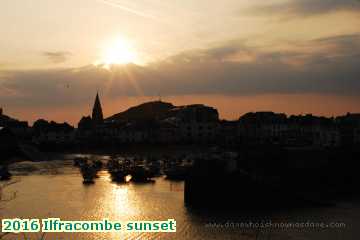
(97, 114)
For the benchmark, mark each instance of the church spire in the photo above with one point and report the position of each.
(97, 114)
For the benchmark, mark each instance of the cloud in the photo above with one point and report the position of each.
(307, 7)
(57, 57)
(319, 66)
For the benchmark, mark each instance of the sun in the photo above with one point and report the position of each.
(120, 51)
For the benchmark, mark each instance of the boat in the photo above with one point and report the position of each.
(118, 175)
(140, 174)
(89, 173)
(117, 170)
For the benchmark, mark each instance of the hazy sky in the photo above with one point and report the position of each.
(295, 56)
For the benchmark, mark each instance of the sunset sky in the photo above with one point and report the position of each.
(293, 56)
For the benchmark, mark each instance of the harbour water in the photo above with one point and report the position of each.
(55, 189)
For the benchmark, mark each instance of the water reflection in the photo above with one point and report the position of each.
(121, 202)
(61, 194)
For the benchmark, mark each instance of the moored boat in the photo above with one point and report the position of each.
(89, 173)
(140, 174)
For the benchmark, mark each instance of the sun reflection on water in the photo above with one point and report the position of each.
(123, 208)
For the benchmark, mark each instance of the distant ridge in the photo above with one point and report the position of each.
(145, 111)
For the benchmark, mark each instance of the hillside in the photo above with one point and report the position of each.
(145, 111)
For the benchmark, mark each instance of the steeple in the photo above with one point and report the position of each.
(97, 114)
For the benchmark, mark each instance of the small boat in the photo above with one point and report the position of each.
(140, 174)
(89, 173)
(118, 170)
(118, 175)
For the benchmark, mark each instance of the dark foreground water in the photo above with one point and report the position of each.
(55, 189)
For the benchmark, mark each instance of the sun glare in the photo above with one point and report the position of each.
(119, 51)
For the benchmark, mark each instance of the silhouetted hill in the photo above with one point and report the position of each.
(5, 118)
(145, 111)
(7, 121)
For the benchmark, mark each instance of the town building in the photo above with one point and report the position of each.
(197, 123)
(349, 129)
(51, 132)
(262, 128)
